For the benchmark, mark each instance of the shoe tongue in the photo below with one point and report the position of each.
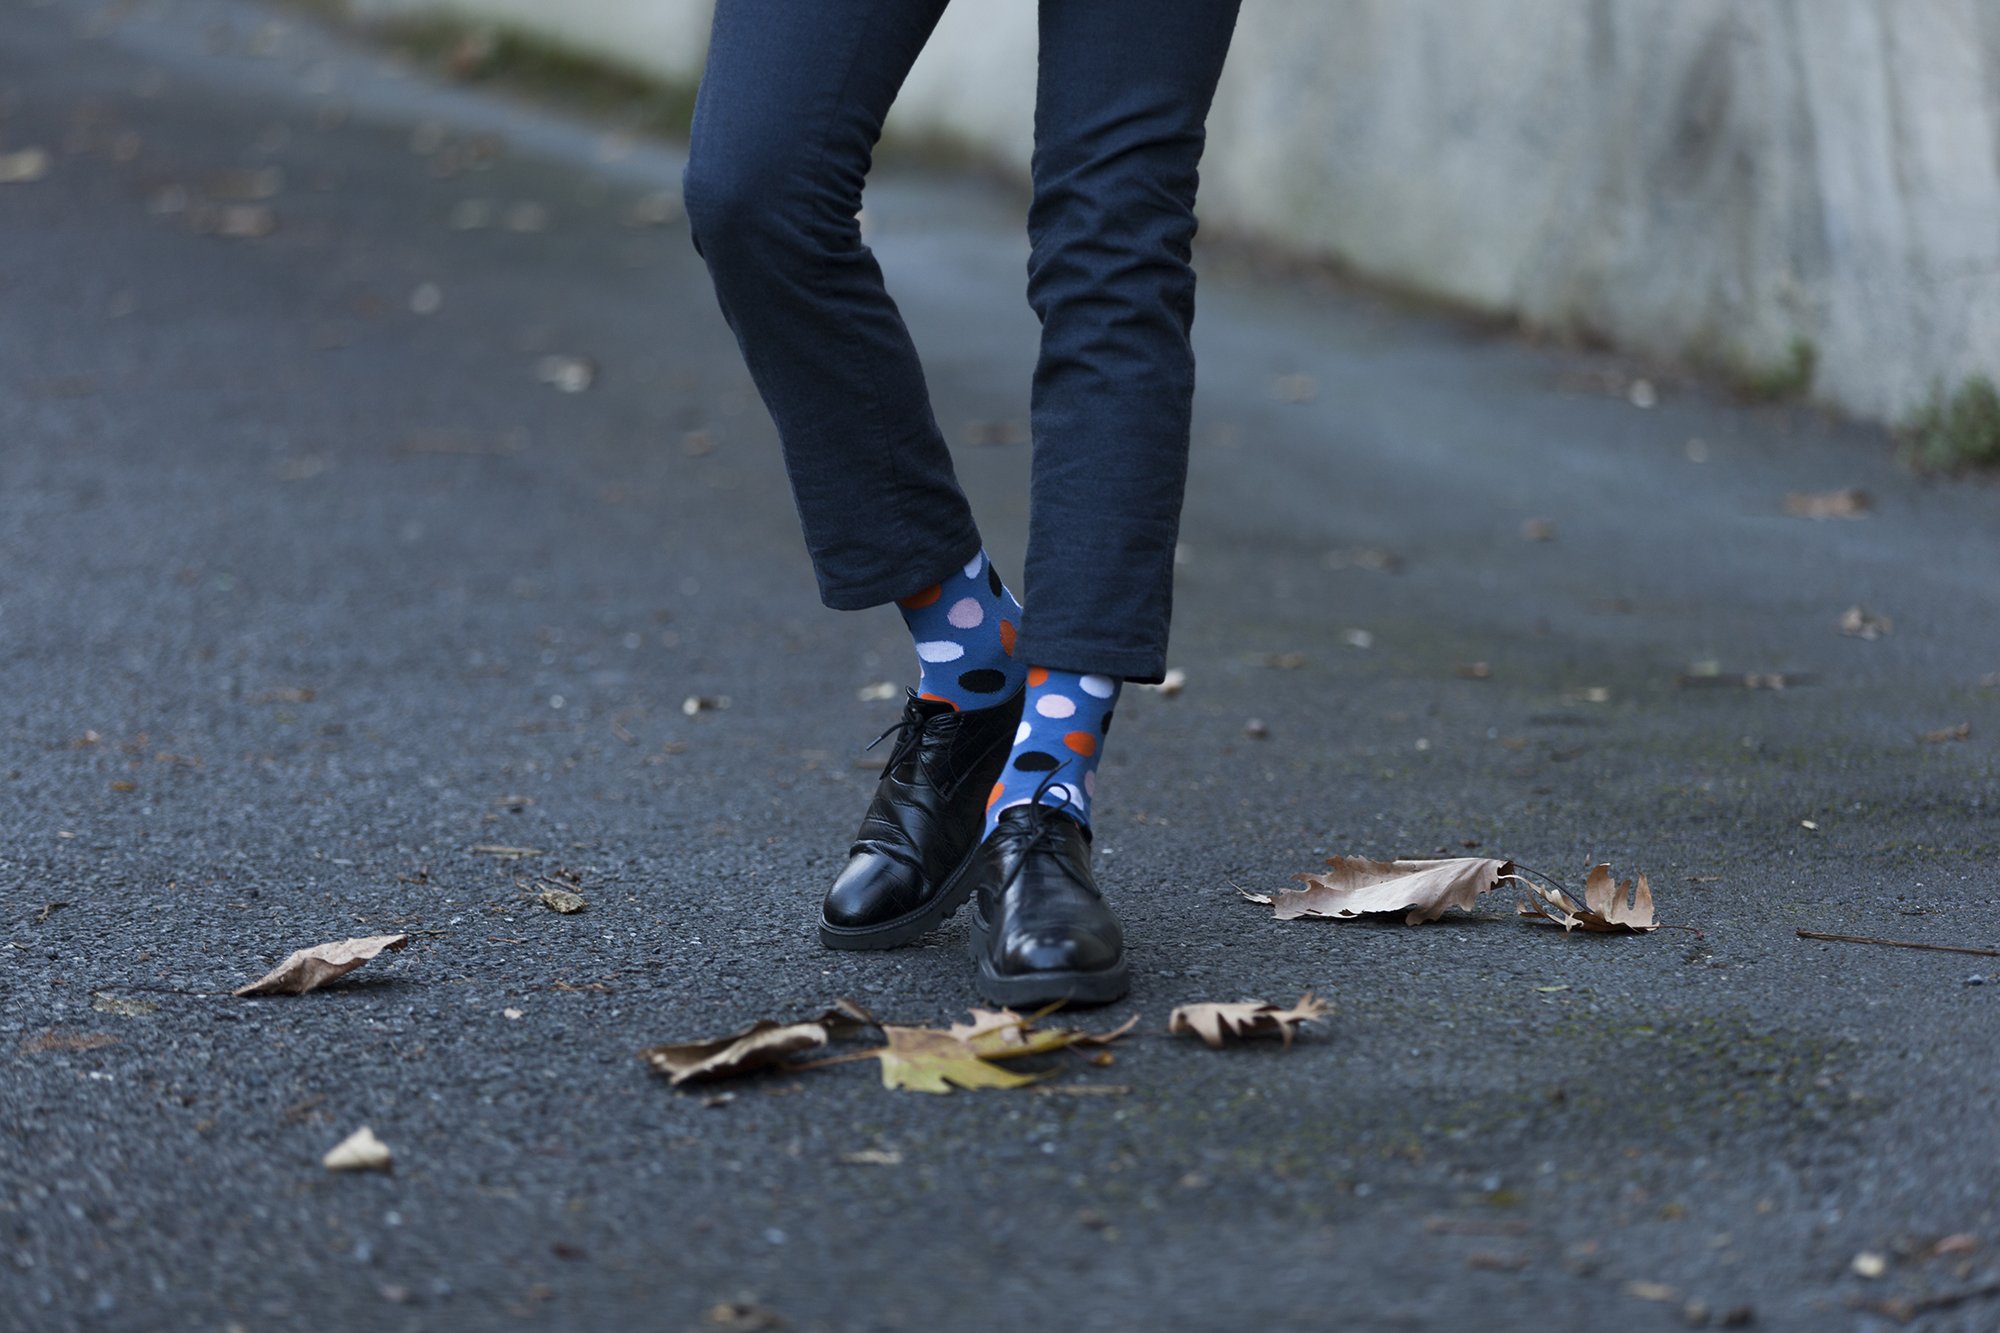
(1024, 817)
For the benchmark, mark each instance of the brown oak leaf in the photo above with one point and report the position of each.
(1214, 1023)
(1608, 908)
(759, 1046)
(1355, 886)
(309, 969)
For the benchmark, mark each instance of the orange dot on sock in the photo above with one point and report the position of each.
(939, 699)
(999, 790)
(917, 601)
(1007, 636)
(1082, 742)
(1038, 675)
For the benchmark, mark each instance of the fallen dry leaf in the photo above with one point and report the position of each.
(1003, 1025)
(1607, 909)
(1170, 684)
(759, 1046)
(503, 852)
(1355, 886)
(1214, 1023)
(359, 1151)
(926, 1060)
(1538, 530)
(872, 1157)
(1944, 735)
(23, 165)
(1858, 622)
(309, 969)
(1849, 502)
(562, 900)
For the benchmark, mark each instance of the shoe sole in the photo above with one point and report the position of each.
(1035, 988)
(894, 934)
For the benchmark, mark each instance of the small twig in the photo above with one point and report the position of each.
(1900, 944)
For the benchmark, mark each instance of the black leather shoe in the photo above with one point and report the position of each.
(903, 874)
(1040, 929)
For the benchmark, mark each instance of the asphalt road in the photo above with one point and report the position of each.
(309, 585)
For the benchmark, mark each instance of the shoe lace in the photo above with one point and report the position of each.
(909, 734)
(1041, 822)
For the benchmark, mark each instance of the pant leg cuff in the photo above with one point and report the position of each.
(913, 578)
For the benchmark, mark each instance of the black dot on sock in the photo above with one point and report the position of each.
(983, 681)
(1104, 727)
(993, 579)
(1035, 761)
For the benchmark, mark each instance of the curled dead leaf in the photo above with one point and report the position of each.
(1945, 735)
(1215, 1023)
(759, 1046)
(1609, 907)
(359, 1151)
(309, 969)
(1355, 886)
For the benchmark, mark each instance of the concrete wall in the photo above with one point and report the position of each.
(1714, 179)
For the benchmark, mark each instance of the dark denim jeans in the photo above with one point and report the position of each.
(790, 108)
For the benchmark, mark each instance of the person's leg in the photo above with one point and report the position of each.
(1120, 107)
(790, 107)
(1121, 104)
(785, 125)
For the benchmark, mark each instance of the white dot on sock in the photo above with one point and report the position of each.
(966, 613)
(1022, 734)
(1100, 687)
(1055, 705)
(974, 565)
(940, 650)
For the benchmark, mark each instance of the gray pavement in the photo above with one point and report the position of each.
(303, 594)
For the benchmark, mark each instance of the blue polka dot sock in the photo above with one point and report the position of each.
(1060, 741)
(965, 628)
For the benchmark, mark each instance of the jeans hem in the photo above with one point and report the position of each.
(1137, 666)
(842, 596)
